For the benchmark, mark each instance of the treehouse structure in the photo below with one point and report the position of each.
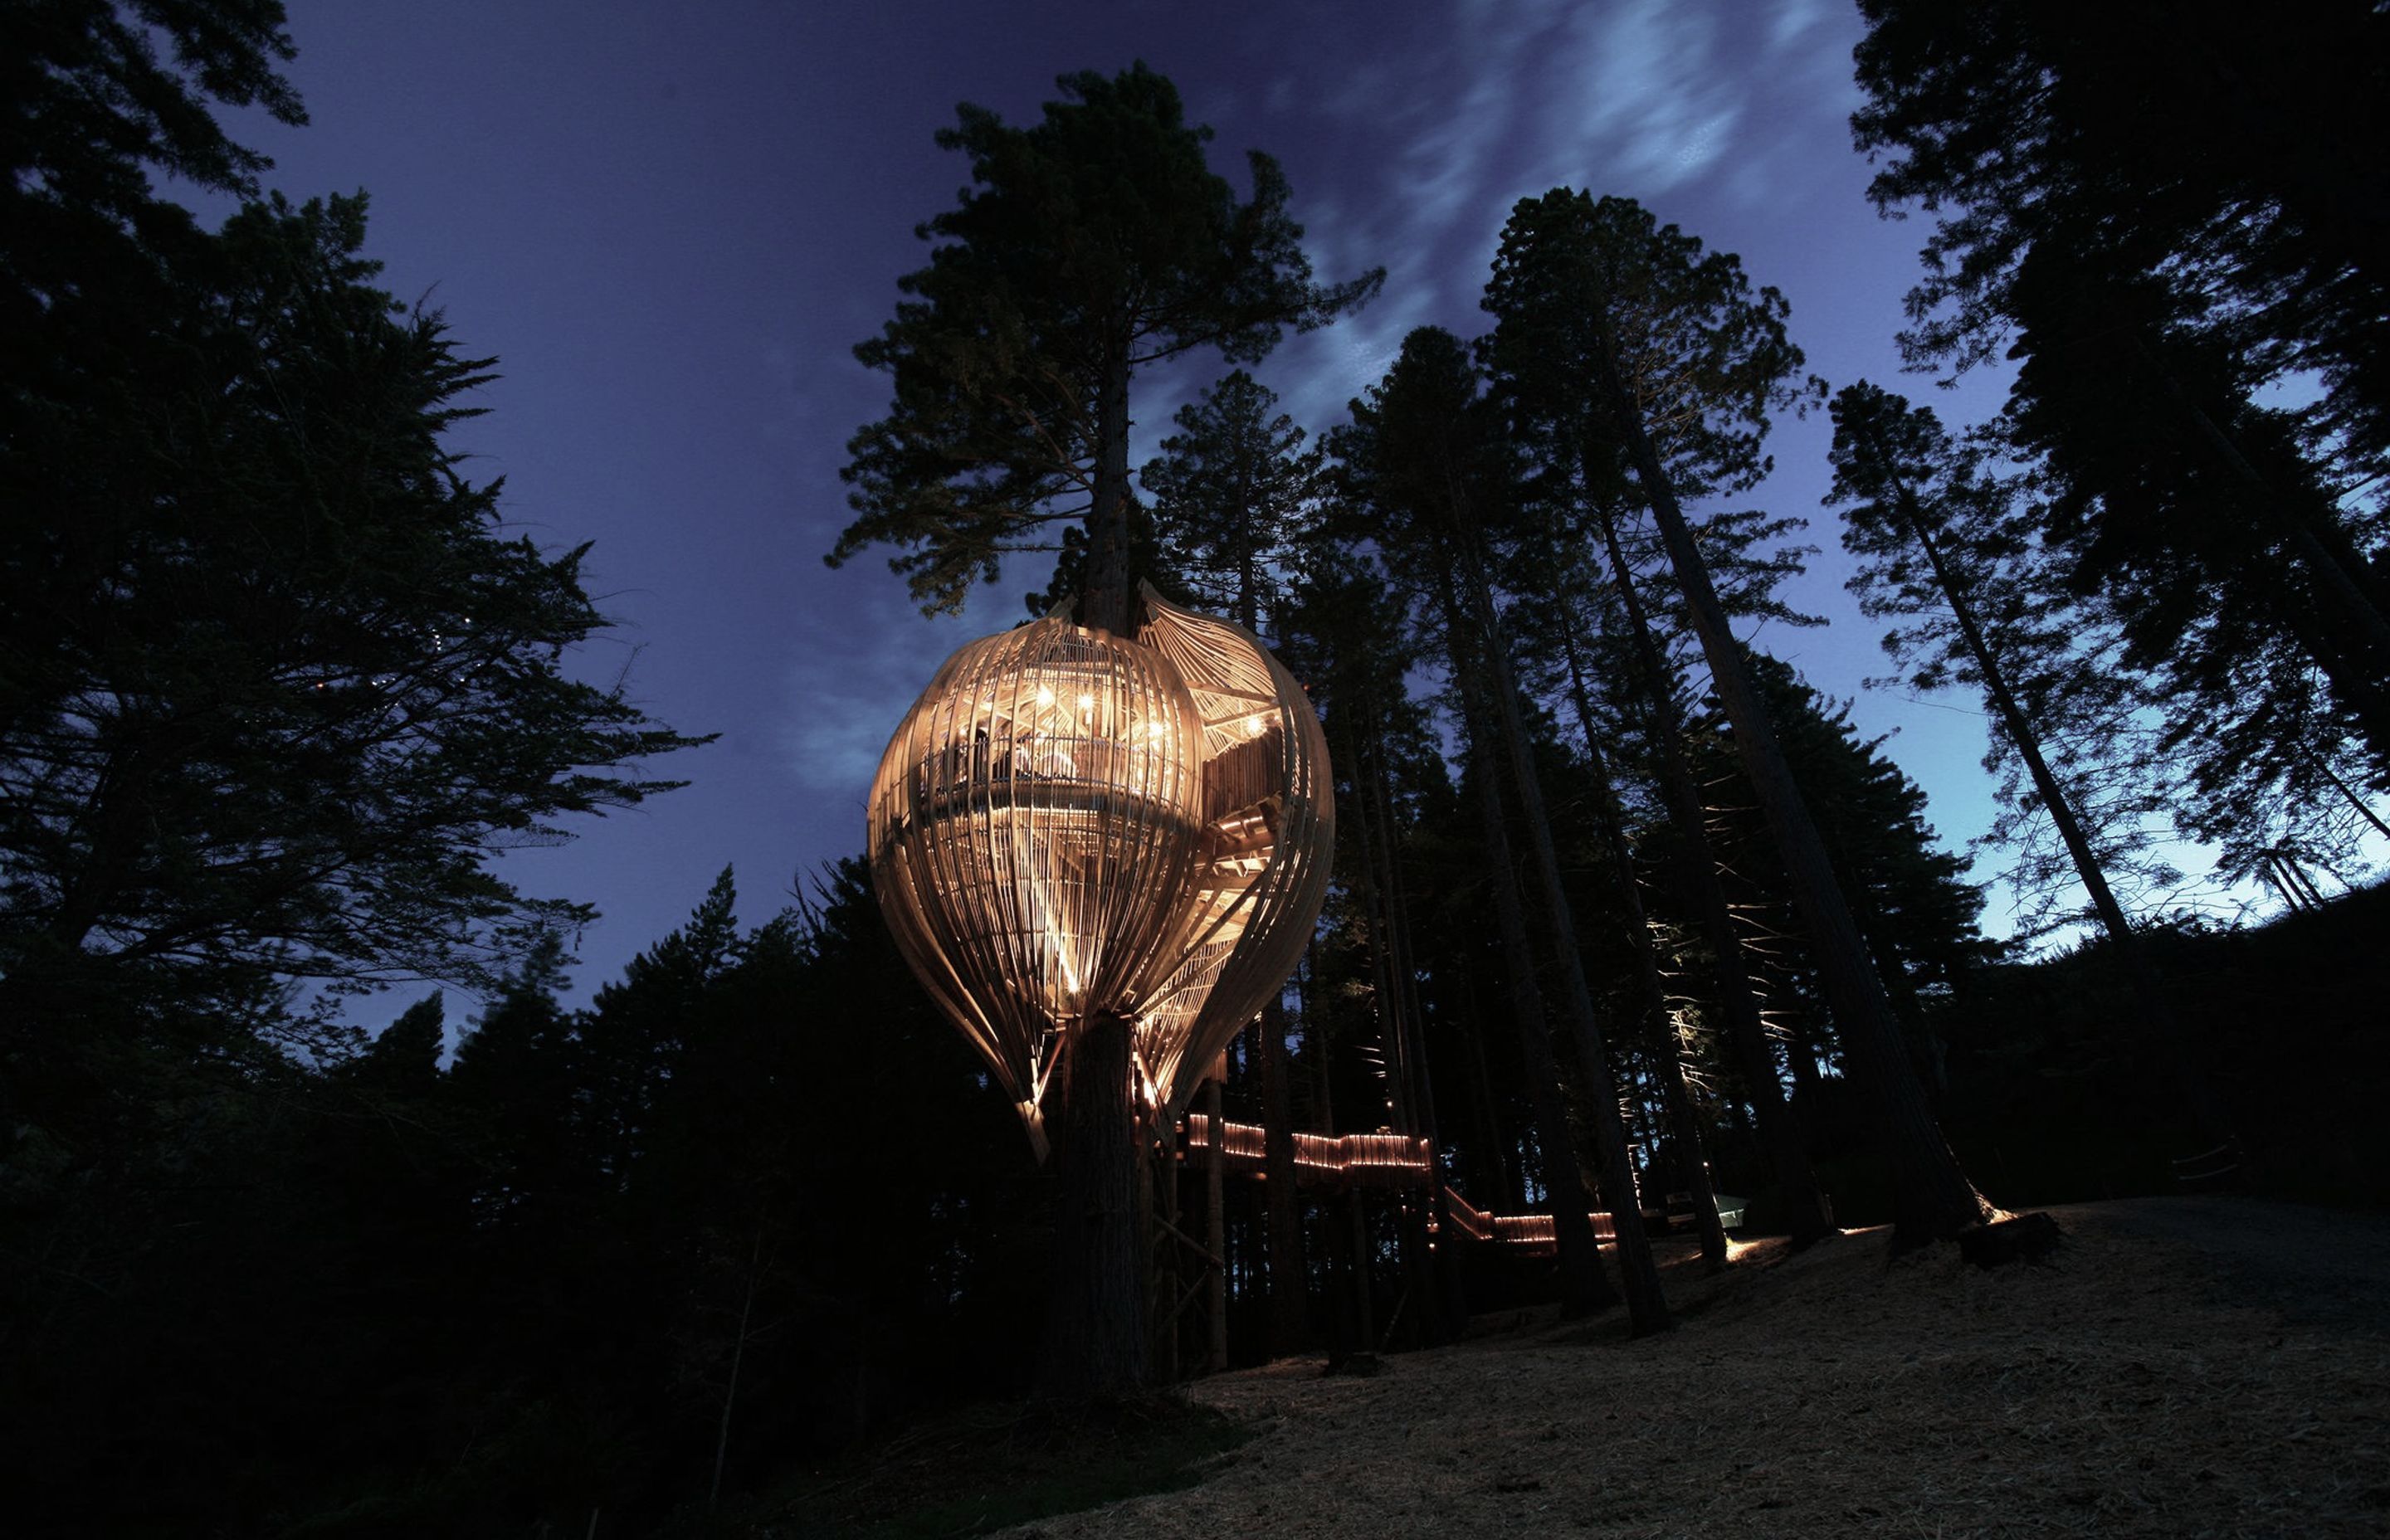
(1070, 822)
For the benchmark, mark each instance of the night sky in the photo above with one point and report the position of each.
(671, 225)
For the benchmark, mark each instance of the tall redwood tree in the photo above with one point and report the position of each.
(1088, 245)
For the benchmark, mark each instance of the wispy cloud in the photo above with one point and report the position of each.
(1674, 104)
(841, 697)
(1637, 95)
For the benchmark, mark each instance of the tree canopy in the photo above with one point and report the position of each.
(297, 684)
(277, 683)
(2162, 213)
(1089, 245)
(2222, 147)
(1627, 914)
(1237, 491)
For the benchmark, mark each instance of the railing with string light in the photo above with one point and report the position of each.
(1533, 1233)
(1393, 1162)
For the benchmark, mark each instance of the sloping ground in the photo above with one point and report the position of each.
(2183, 1368)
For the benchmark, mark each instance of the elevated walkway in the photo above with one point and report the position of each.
(1383, 1162)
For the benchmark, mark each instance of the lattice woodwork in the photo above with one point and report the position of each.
(1269, 822)
(1070, 821)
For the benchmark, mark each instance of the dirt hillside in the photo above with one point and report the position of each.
(2183, 1368)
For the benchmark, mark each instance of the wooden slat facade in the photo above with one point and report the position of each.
(1069, 821)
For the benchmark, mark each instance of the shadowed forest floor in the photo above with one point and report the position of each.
(2181, 1367)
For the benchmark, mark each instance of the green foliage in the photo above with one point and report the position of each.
(1915, 908)
(1422, 459)
(2266, 677)
(405, 1060)
(274, 683)
(1238, 492)
(1153, 560)
(1707, 358)
(376, 1299)
(1704, 357)
(293, 577)
(93, 110)
(2159, 207)
(288, 685)
(1091, 244)
(1881, 445)
(2207, 142)
(1905, 482)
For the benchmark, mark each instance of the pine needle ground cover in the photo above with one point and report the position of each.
(2181, 1367)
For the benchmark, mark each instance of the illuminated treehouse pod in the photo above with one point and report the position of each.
(1070, 822)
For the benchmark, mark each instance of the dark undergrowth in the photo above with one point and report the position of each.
(2059, 1092)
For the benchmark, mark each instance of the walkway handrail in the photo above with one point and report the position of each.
(1383, 1160)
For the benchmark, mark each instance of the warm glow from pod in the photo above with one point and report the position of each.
(1151, 849)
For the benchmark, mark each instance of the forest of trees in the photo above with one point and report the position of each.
(1625, 910)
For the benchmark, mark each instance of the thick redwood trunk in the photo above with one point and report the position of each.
(1583, 1287)
(1495, 1168)
(1437, 1278)
(1932, 1198)
(1659, 1022)
(1095, 1343)
(1290, 1288)
(1215, 1232)
(1783, 1134)
(1640, 1277)
(1385, 967)
(1421, 1103)
(1365, 1274)
(1290, 1293)
(1434, 1291)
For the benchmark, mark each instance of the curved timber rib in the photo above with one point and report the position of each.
(1069, 821)
(1269, 812)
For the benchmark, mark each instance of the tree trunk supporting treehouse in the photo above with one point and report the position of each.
(1215, 1230)
(1095, 1321)
(1095, 1343)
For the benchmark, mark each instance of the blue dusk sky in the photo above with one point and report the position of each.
(671, 223)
